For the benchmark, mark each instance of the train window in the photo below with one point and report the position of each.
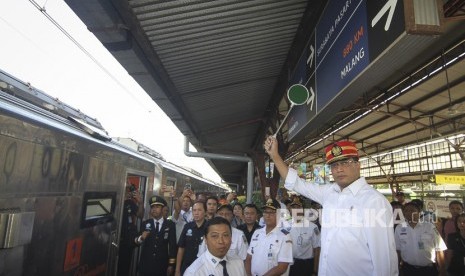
(170, 187)
(97, 208)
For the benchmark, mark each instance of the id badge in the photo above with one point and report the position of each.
(421, 245)
(166, 236)
(299, 240)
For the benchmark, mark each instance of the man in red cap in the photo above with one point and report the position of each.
(356, 235)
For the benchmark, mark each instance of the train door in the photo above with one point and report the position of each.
(168, 192)
(131, 219)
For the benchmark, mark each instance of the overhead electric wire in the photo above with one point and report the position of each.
(89, 55)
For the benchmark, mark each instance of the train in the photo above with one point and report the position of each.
(62, 185)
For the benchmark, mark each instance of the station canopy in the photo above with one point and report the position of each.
(379, 74)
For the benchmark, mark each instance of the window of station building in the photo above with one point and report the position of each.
(398, 156)
(415, 165)
(386, 169)
(456, 161)
(386, 159)
(401, 167)
(97, 208)
(439, 148)
(422, 151)
(413, 153)
(441, 162)
(429, 156)
(374, 171)
(425, 164)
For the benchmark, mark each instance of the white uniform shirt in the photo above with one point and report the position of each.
(238, 247)
(357, 236)
(267, 250)
(183, 219)
(305, 237)
(418, 245)
(207, 265)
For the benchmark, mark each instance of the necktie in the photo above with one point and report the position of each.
(225, 272)
(156, 227)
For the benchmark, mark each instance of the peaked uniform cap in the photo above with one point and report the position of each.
(227, 206)
(296, 203)
(340, 150)
(272, 204)
(157, 200)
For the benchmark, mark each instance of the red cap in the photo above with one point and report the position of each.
(340, 150)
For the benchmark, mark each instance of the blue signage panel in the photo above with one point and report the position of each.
(385, 24)
(303, 73)
(350, 35)
(343, 53)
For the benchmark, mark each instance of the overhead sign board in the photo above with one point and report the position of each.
(349, 36)
(449, 179)
(305, 75)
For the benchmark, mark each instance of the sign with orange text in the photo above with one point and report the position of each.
(73, 254)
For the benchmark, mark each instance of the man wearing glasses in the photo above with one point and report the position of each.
(270, 250)
(356, 234)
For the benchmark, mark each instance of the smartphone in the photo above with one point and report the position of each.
(188, 187)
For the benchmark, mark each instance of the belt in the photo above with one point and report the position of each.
(419, 266)
(302, 260)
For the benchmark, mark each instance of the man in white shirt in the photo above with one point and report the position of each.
(270, 250)
(419, 245)
(239, 244)
(305, 243)
(215, 261)
(357, 236)
(182, 212)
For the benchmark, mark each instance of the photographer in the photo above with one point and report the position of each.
(182, 212)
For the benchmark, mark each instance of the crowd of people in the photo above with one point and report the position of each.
(358, 231)
(206, 236)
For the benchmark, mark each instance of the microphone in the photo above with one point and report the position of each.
(148, 227)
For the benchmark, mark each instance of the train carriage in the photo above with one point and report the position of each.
(62, 184)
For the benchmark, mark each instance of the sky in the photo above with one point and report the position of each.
(34, 50)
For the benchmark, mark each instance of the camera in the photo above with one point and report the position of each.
(188, 187)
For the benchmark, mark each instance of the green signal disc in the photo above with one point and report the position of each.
(297, 94)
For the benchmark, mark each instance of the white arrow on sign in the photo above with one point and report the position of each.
(310, 57)
(389, 6)
(311, 98)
